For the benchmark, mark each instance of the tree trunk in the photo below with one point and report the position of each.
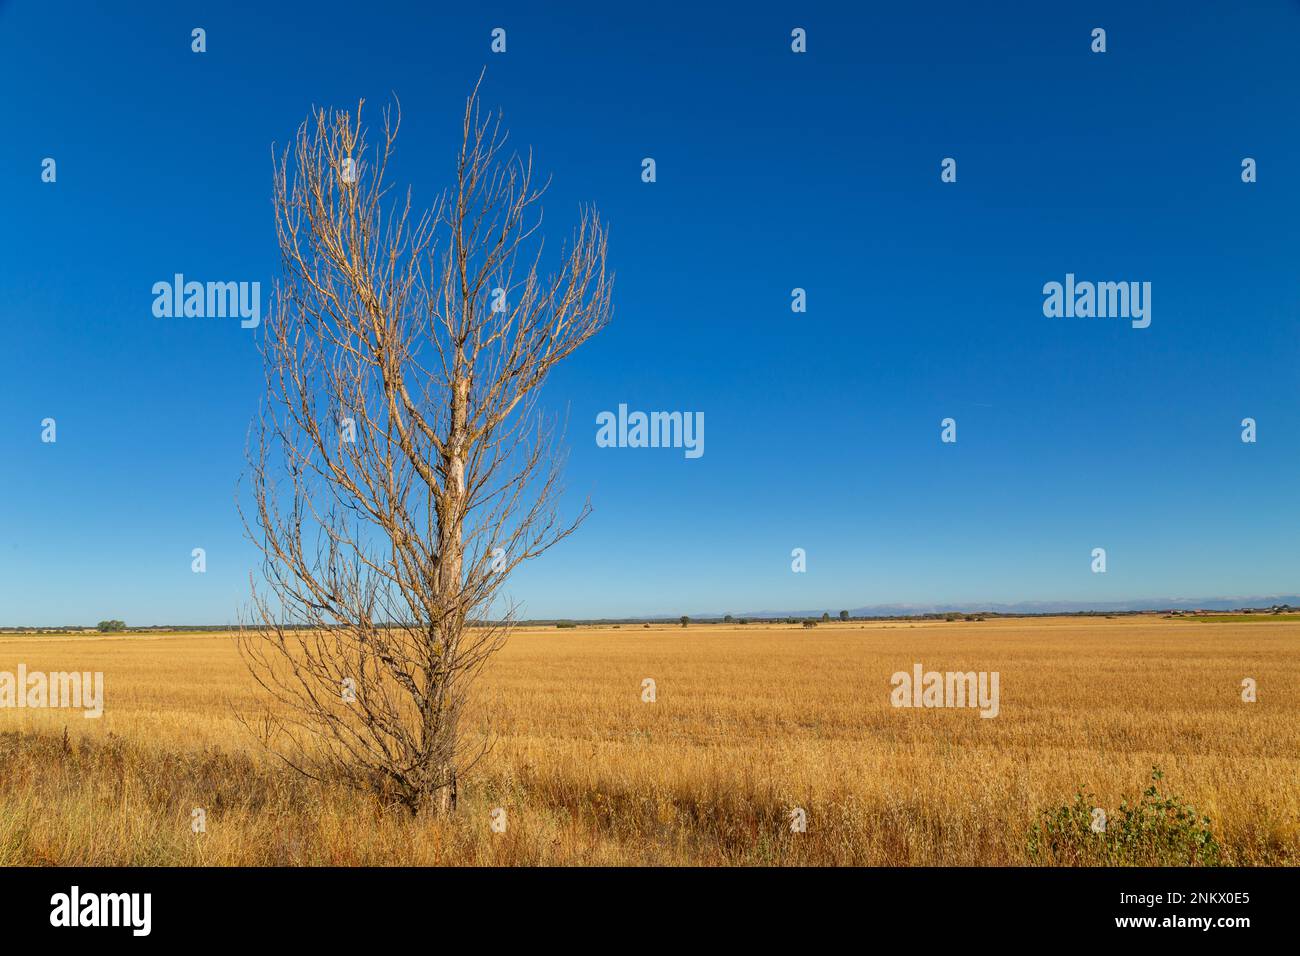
(440, 717)
(438, 801)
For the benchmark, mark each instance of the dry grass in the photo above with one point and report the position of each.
(749, 721)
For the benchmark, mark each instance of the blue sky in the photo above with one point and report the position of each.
(775, 171)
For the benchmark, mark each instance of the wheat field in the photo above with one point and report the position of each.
(749, 722)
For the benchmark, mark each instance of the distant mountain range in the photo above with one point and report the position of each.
(1029, 607)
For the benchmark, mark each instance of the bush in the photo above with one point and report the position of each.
(1157, 830)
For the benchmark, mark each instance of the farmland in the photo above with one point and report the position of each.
(747, 724)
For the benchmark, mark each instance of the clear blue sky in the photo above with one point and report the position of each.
(775, 170)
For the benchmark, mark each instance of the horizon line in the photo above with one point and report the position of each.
(1014, 609)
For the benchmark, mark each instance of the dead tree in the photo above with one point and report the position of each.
(400, 467)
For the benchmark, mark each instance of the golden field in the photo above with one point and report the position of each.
(749, 722)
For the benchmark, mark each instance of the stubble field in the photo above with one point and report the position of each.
(748, 723)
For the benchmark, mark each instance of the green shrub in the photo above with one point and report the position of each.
(1157, 830)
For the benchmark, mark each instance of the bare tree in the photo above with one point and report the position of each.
(400, 467)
